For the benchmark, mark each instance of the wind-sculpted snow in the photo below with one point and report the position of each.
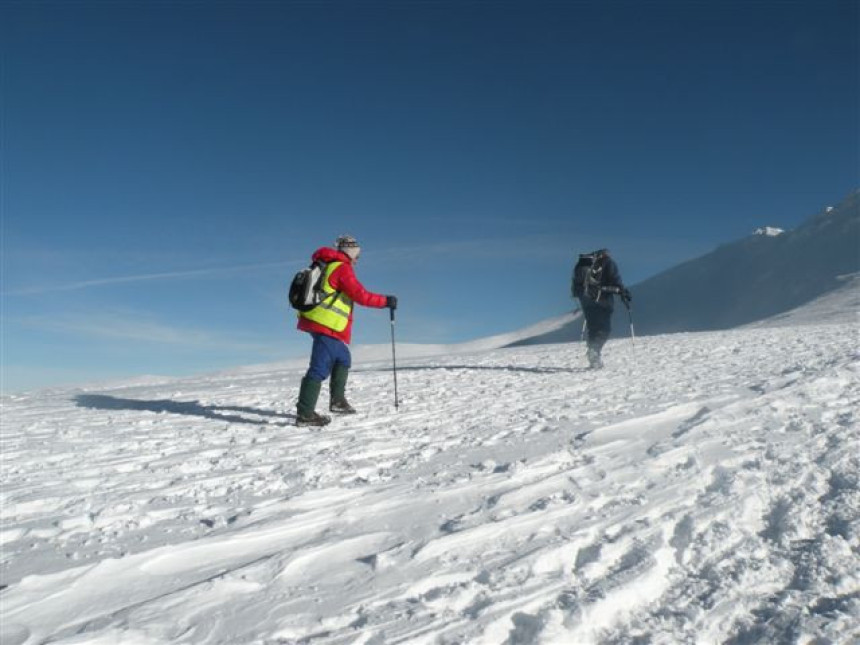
(702, 490)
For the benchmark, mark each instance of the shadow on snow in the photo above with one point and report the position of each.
(190, 408)
(497, 368)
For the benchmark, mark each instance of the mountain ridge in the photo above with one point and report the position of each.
(744, 281)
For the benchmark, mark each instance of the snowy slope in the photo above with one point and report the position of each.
(363, 353)
(840, 305)
(703, 490)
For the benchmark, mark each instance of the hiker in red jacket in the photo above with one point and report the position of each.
(330, 324)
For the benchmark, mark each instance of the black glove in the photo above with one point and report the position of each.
(391, 302)
(626, 296)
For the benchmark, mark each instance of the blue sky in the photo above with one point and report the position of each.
(167, 167)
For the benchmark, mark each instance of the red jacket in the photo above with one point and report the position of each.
(343, 279)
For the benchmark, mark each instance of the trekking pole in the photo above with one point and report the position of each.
(632, 332)
(394, 360)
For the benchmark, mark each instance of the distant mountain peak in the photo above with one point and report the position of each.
(768, 231)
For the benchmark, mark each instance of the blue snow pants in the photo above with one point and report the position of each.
(326, 353)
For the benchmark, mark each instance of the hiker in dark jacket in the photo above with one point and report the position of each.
(330, 325)
(597, 299)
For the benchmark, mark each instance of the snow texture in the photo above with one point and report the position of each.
(703, 488)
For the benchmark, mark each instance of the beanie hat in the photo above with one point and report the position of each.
(346, 242)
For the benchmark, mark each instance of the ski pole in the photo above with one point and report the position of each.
(394, 360)
(584, 329)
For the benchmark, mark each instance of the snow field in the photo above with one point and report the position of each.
(703, 490)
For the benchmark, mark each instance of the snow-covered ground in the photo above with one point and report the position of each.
(703, 490)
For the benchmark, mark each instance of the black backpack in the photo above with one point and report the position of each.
(306, 289)
(588, 274)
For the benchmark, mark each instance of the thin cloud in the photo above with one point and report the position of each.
(130, 326)
(172, 275)
(486, 248)
(542, 246)
(511, 247)
(655, 254)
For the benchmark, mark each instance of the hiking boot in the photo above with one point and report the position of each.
(594, 360)
(312, 419)
(341, 406)
(337, 393)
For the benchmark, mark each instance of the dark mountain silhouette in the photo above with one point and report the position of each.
(744, 281)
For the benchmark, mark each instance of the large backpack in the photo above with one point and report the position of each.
(588, 275)
(306, 289)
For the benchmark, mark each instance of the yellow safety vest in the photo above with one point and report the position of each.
(333, 312)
